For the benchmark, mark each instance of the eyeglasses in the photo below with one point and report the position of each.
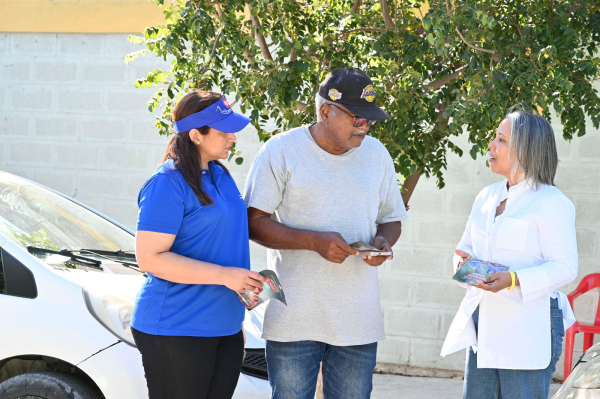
(358, 121)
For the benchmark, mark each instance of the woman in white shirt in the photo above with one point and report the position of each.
(514, 327)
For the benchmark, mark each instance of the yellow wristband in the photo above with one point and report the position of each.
(513, 280)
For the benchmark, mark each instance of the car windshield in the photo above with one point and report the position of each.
(33, 216)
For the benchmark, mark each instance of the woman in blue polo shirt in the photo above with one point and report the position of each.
(192, 241)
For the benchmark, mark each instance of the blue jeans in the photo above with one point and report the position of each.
(514, 384)
(294, 368)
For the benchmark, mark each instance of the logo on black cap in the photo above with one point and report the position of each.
(358, 92)
(334, 94)
(368, 93)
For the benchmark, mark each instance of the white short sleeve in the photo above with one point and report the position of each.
(265, 183)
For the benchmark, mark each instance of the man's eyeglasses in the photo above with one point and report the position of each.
(358, 121)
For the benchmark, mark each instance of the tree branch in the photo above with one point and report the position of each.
(300, 106)
(472, 46)
(316, 90)
(439, 83)
(365, 30)
(355, 6)
(576, 6)
(249, 57)
(477, 97)
(385, 10)
(307, 53)
(219, 12)
(449, 9)
(262, 43)
(212, 53)
(442, 122)
(494, 53)
(345, 35)
(529, 53)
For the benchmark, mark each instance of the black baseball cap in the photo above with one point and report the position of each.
(353, 89)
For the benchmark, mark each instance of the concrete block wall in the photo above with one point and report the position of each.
(70, 118)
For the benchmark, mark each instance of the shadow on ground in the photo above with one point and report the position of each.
(396, 387)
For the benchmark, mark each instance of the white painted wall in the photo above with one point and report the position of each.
(70, 118)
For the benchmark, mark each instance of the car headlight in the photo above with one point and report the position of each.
(591, 353)
(112, 310)
(589, 375)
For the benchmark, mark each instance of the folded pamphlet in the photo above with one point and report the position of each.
(369, 250)
(271, 289)
(475, 270)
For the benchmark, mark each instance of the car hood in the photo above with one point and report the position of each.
(129, 285)
(124, 284)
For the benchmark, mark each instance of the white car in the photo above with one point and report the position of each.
(584, 380)
(68, 282)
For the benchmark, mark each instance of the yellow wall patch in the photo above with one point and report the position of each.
(79, 16)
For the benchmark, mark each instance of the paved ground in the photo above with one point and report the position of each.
(396, 387)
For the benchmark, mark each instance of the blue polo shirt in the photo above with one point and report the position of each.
(216, 233)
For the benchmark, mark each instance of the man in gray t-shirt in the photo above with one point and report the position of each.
(311, 192)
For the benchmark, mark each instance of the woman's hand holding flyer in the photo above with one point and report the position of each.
(465, 257)
(271, 289)
(482, 274)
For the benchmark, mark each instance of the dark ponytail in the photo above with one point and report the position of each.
(182, 150)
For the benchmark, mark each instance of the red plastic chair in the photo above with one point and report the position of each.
(588, 283)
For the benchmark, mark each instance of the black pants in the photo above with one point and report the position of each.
(190, 367)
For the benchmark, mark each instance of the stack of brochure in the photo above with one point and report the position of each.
(475, 270)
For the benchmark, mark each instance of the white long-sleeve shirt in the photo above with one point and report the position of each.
(535, 237)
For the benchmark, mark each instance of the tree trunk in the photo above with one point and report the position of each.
(409, 184)
(389, 22)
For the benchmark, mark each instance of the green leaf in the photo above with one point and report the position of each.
(426, 23)
(132, 56)
(431, 39)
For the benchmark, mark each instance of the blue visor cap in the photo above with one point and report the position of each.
(219, 116)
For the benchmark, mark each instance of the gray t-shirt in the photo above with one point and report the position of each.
(305, 187)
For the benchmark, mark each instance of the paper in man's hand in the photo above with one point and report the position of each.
(365, 249)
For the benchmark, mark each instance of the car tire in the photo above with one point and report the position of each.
(46, 385)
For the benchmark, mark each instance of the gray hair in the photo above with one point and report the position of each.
(532, 147)
(318, 102)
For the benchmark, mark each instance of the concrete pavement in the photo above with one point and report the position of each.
(401, 387)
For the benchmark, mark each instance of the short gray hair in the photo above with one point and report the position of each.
(318, 102)
(532, 147)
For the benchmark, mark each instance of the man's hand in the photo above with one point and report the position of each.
(255, 298)
(379, 243)
(465, 257)
(333, 247)
(500, 281)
